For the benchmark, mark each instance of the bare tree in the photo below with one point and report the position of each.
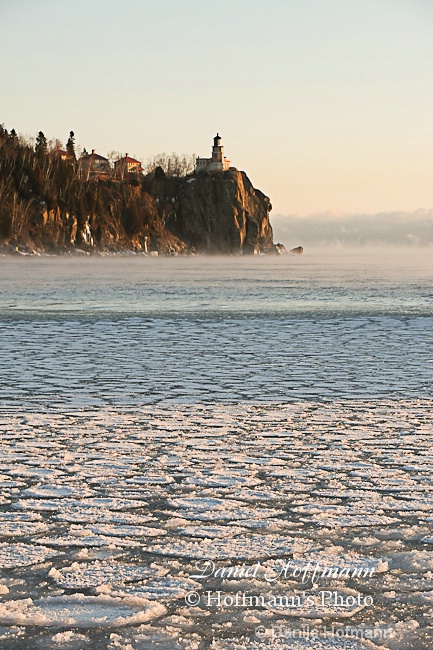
(172, 165)
(113, 156)
(54, 144)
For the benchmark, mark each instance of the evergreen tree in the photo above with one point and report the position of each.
(70, 145)
(41, 146)
(13, 135)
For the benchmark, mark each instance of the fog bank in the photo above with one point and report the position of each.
(334, 227)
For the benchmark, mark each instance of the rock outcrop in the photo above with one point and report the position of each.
(215, 212)
(210, 212)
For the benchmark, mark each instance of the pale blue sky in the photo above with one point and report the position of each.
(324, 103)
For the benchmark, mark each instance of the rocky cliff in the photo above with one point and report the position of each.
(216, 212)
(46, 206)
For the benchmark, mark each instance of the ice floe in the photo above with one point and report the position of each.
(95, 574)
(20, 555)
(252, 547)
(79, 611)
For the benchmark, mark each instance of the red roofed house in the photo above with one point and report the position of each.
(127, 165)
(64, 155)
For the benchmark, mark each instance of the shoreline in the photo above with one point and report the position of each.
(127, 252)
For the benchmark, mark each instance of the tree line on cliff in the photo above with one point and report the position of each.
(45, 204)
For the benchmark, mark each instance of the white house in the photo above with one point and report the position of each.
(218, 162)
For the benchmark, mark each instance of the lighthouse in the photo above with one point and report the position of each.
(218, 162)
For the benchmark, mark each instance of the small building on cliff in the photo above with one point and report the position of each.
(93, 166)
(217, 163)
(127, 165)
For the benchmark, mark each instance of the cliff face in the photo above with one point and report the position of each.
(215, 212)
(224, 213)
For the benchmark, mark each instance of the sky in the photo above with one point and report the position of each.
(326, 104)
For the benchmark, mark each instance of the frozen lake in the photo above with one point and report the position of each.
(264, 412)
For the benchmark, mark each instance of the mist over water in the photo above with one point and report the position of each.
(250, 328)
(376, 280)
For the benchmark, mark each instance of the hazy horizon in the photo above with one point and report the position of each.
(396, 228)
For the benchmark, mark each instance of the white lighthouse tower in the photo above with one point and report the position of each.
(218, 162)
